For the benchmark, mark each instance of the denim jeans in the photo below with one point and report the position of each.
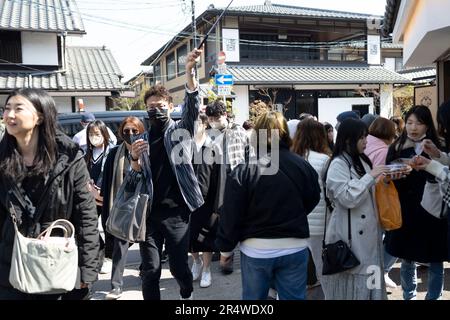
(388, 260)
(408, 275)
(288, 273)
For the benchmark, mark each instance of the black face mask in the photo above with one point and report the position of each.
(158, 116)
(128, 138)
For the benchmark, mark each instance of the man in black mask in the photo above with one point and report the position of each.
(176, 192)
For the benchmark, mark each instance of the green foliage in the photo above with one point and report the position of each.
(136, 103)
(212, 96)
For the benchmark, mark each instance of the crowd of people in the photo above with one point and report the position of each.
(278, 190)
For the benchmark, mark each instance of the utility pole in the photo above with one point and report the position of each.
(194, 25)
(194, 34)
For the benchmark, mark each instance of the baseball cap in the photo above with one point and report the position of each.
(346, 115)
(87, 117)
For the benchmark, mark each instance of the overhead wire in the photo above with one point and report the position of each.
(152, 29)
(176, 36)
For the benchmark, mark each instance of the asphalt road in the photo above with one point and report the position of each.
(228, 287)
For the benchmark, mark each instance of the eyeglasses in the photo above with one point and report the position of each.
(129, 131)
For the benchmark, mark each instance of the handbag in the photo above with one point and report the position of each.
(432, 200)
(46, 264)
(127, 218)
(388, 204)
(337, 256)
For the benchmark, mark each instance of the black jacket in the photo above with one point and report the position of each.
(422, 237)
(65, 196)
(268, 206)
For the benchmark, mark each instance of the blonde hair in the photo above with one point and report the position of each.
(273, 120)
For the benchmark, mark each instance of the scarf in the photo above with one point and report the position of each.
(120, 162)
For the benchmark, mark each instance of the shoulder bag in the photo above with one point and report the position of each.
(46, 264)
(338, 256)
(127, 218)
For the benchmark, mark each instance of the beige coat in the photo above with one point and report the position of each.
(357, 194)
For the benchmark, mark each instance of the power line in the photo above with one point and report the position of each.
(138, 27)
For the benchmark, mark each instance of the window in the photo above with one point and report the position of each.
(170, 66)
(362, 109)
(250, 50)
(157, 72)
(398, 64)
(10, 47)
(181, 59)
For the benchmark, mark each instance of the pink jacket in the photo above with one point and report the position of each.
(376, 150)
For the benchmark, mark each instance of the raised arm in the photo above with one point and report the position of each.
(192, 99)
(190, 69)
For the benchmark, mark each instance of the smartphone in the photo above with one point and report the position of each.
(143, 136)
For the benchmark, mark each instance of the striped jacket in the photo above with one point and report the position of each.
(181, 165)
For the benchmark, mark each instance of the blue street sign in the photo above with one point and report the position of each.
(224, 79)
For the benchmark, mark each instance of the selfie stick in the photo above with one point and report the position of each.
(213, 26)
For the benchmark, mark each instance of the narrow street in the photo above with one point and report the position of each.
(228, 287)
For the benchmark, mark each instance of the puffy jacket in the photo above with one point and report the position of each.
(65, 196)
(316, 218)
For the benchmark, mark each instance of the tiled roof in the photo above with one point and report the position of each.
(41, 15)
(390, 15)
(285, 10)
(313, 75)
(88, 68)
(419, 75)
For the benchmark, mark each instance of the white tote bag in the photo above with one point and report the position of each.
(47, 264)
(432, 200)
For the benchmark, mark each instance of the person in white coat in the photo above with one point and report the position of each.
(350, 182)
(311, 143)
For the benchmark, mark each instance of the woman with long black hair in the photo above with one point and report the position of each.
(350, 181)
(43, 175)
(422, 237)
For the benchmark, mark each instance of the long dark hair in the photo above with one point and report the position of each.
(350, 131)
(104, 131)
(423, 114)
(11, 162)
(310, 136)
(443, 120)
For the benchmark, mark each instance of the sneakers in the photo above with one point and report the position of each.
(196, 269)
(114, 294)
(206, 279)
(389, 283)
(106, 266)
(226, 264)
(272, 295)
(191, 297)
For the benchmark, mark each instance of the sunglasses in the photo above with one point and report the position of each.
(129, 131)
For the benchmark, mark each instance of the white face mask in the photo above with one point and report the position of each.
(96, 140)
(418, 140)
(218, 125)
